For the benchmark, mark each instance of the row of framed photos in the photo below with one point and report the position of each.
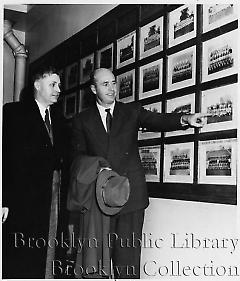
(219, 54)
(75, 102)
(220, 103)
(216, 162)
(219, 59)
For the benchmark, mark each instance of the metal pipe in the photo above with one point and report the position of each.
(20, 54)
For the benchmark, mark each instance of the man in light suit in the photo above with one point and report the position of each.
(119, 146)
(33, 146)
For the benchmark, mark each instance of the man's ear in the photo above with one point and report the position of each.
(92, 87)
(37, 85)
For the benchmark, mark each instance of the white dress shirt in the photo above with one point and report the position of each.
(42, 110)
(103, 113)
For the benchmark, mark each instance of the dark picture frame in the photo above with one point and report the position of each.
(151, 38)
(182, 24)
(105, 57)
(70, 107)
(71, 76)
(86, 67)
(126, 49)
(126, 86)
(220, 56)
(150, 82)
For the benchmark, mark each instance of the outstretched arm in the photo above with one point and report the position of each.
(197, 120)
(170, 121)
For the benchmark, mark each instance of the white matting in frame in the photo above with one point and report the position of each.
(126, 86)
(144, 134)
(184, 104)
(150, 82)
(86, 67)
(71, 75)
(216, 15)
(105, 57)
(151, 38)
(220, 56)
(221, 103)
(70, 105)
(217, 162)
(182, 69)
(182, 24)
(126, 49)
(150, 159)
(178, 162)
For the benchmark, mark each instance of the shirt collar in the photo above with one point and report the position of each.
(42, 108)
(102, 108)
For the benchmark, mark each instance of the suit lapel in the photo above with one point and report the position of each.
(36, 122)
(119, 119)
(95, 124)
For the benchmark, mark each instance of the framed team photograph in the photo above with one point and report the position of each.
(126, 86)
(70, 105)
(182, 69)
(182, 24)
(221, 103)
(220, 56)
(71, 76)
(150, 159)
(217, 162)
(178, 162)
(86, 67)
(184, 104)
(105, 57)
(126, 49)
(150, 82)
(144, 134)
(216, 15)
(151, 38)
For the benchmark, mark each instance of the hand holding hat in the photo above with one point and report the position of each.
(112, 191)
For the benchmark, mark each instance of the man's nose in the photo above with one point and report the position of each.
(57, 88)
(112, 86)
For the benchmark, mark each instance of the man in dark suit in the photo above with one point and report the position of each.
(118, 145)
(33, 145)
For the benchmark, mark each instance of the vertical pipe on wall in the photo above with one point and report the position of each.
(20, 55)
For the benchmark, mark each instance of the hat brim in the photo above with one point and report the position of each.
(101, 180)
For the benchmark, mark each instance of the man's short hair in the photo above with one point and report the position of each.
(43, 71)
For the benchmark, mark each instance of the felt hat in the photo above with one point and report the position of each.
(112, 191)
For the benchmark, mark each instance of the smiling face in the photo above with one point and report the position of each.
(47, 89)
(104, 87)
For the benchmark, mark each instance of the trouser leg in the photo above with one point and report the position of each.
(125, 244)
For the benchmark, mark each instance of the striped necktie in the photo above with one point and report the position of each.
(47, 121)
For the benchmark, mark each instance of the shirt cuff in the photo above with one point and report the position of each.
(183, 123)
(104, 168)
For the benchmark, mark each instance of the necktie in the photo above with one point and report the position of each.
(47, 121)
(108, 120)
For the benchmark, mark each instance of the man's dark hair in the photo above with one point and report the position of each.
(42, 71)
